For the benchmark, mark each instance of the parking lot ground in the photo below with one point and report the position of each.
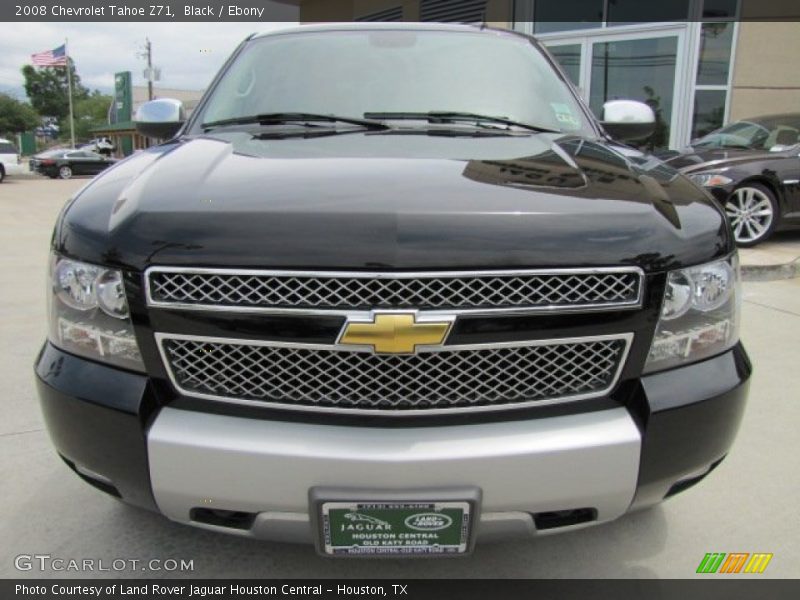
(777, 258)
(747, 505)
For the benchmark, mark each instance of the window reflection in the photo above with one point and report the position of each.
(569, 57)
(638, 70)
(709, 112)
(715, 53)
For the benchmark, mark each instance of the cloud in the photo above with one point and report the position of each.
(189, 54)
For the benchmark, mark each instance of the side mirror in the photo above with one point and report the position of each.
(628, 120)
(160, 118)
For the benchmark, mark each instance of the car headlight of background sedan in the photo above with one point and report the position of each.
(89, 313)
(699, 315)
(710, 179)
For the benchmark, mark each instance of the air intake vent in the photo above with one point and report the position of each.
(453, 11)
(564, 518)
(231, 519)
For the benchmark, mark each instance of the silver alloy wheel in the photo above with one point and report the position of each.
(750, 212)
(65, 172)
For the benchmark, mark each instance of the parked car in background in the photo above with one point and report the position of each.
(752, 167)
(101, 145)
(9, 159)
(65, 163)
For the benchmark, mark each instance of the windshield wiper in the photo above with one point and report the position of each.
(279, 118)
(452, 117)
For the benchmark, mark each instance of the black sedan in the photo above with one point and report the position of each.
(752, 167)
(65, 163)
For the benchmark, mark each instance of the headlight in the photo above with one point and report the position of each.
(710, 179)
(89, 313)
(699, 315)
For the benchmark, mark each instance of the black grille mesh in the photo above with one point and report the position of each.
(359, 380)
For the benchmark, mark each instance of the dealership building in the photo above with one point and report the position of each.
(699, 63)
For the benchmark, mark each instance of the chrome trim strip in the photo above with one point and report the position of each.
(362, 314)
(627, 338)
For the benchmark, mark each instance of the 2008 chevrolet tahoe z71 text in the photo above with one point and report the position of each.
(391, 289)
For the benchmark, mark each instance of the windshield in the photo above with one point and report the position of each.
(353, 73)
(754, 135)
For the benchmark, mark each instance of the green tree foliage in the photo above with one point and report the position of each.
(47, 89)
(16, 116)
(90, 112)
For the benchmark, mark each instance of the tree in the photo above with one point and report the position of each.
(16, 116)
(90, 112)
(47, 89)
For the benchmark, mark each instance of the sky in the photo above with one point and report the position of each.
(189, 54)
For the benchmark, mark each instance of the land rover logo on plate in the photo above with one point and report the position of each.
(428, 522)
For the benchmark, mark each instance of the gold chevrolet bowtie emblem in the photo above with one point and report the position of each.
(394, 333)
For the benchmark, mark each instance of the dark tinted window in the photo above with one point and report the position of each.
(7, 148)
(390, 14)
(557, 15)
(639, 11)
(452, 11)
(719, 9)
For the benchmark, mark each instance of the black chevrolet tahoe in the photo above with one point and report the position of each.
(390, 289)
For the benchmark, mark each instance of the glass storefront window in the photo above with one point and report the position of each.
(624, 12)
(709, 112)
(569, 57)
(716, 41)
(719, 9)
(555, 26)
(642, 70)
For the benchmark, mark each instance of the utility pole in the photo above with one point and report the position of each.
(148, 48)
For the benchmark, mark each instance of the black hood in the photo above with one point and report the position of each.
(394, 201)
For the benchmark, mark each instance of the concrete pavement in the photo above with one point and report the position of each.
(747, 505)
(777, 258)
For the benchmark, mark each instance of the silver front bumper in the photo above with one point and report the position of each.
(200, 460)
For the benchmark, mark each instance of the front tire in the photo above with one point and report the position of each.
(2, 174)
(753, 213)
(65, 172)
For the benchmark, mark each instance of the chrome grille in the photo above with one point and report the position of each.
(492, 290)
(456, 377)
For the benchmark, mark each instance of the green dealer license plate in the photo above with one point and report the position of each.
(395, 528)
